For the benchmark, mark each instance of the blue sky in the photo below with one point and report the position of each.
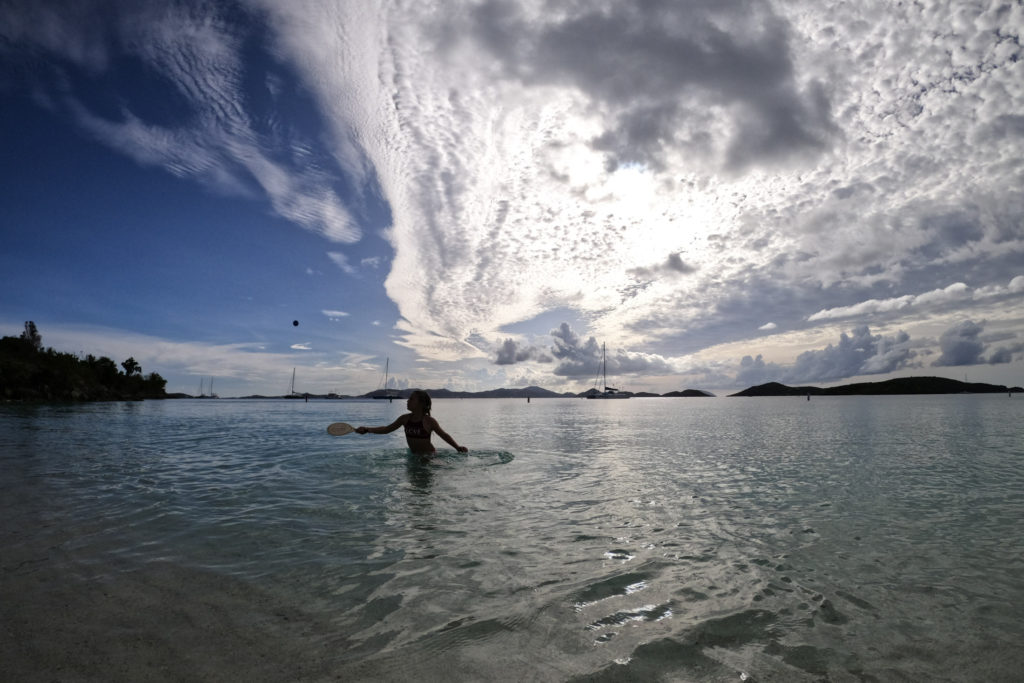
(724, 193)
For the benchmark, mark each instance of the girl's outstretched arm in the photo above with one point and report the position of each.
(383, 430)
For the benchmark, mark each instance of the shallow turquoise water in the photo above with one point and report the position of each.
(848, 538)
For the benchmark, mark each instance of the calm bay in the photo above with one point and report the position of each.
(704, 539)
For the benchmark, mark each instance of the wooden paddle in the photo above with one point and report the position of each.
(340, 429)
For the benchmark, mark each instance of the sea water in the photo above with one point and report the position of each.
(697, 539)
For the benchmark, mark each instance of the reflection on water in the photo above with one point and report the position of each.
(420, 471)
(696, 539)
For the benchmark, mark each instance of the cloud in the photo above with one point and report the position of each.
(961, 345)
(954, 292)
(767, 327)
(964, 344)
(510, 352)
(666, 73)
(301, 347)
(196, 55)
(341, 261)
(583, 358)
(754, 371)
(1005, 354)
(334, 315)
(672, 266)
(859, 353)
(856, 353)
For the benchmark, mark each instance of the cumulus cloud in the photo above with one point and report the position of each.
(965, 343)
(961, 345)
(1004, 354)
(665, 73)
(856, 353)
(859, 353)
(583, 358)
(510, 352)
(755, 370)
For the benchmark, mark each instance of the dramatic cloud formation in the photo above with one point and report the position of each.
(861, 353)
(964, 344)
(581, 358)
(511, 352)
(857, 353)
(960, 345)
(691, 183)
(215, 140)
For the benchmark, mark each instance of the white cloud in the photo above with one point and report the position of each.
(341, 261)
(958, 291)
(217, 143)
(334, 314)
(856, 353)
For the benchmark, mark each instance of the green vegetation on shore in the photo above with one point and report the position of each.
(29, 373)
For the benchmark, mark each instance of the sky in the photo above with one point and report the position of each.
(719, 193)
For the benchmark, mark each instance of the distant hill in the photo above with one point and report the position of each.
(902, 385)
(689, 393)
(527, 392)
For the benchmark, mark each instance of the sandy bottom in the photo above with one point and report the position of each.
(70, 615)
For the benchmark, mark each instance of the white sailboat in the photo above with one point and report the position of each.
(609, 392)
(388, 394)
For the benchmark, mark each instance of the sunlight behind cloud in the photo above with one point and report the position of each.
(680, 180)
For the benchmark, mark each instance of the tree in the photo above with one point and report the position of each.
(131, 367)
(31, 335)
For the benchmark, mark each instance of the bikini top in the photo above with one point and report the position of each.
(416, 430)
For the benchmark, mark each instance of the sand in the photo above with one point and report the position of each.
(70, 613)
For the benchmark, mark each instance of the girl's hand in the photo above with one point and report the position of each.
(462, 449)
(361, 430)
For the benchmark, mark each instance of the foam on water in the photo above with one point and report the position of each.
(772, 539)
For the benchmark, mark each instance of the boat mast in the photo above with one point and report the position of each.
(604, 366)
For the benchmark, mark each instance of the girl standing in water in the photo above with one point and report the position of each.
(418, 426)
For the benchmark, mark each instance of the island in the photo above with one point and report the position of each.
(901, 385)
(33, 374)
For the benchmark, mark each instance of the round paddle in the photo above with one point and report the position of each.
(340, 429)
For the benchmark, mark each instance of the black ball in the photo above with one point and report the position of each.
(295, 323)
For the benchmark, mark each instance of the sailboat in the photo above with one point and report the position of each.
(609, 392)
(202, 393)
(388, 394)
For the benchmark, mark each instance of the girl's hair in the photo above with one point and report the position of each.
(424, 399)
